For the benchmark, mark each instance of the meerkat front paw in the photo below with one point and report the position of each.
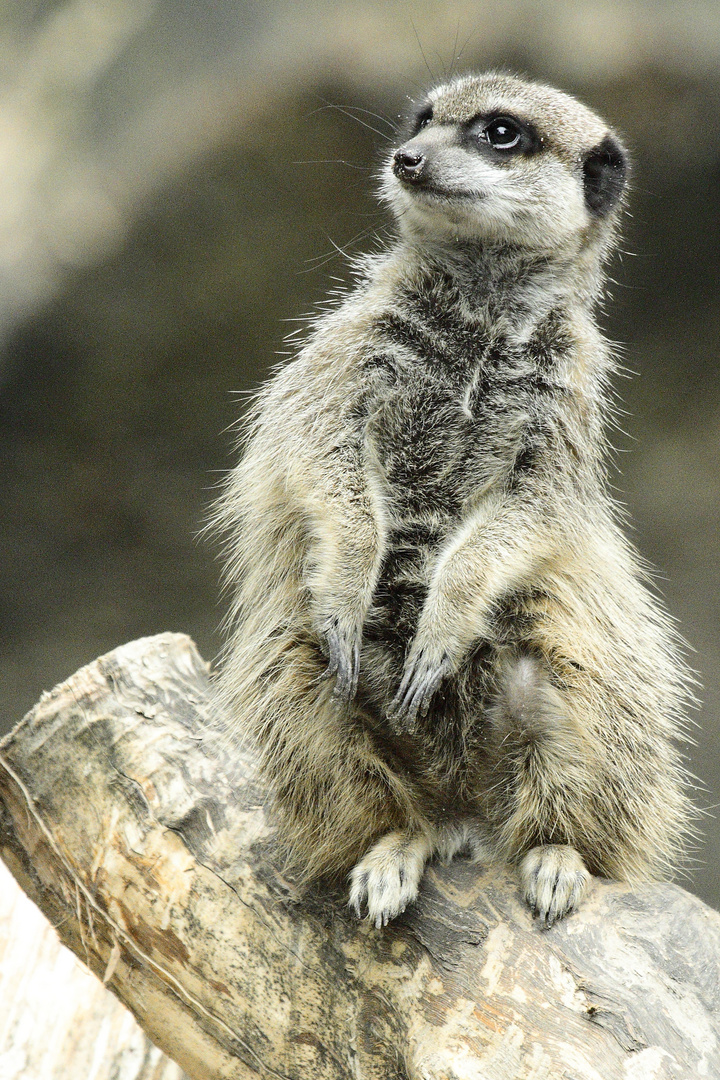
(554, 880)
(424, 671)
(342, 647)
(387, 879)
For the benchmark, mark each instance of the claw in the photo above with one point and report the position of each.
(416, 690)
(554, 881)
(387, 879)
(343, 663)
(358, 895)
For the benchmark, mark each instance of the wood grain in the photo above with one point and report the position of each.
(145, 841)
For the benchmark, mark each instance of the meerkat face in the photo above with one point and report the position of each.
(494, 157)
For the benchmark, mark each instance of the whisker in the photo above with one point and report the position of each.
(347, 111)
(451, 72)
(378, 116)
(318, 261)
(468, 39)
(422, 51)
(332, 161)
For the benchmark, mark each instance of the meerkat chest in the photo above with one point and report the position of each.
(423, 440)
(441, 427)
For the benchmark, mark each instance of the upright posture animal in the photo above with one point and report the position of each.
(440, 637)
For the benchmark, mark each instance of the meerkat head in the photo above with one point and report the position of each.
(496, 158)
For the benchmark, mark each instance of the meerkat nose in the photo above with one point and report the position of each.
(409, 166)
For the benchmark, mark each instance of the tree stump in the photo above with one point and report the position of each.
(144, 840)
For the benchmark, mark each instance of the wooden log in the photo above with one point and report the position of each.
(145, 842)
(57, 1021)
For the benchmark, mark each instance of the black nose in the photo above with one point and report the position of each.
(409, 166)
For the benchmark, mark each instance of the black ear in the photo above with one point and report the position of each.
(604, 173)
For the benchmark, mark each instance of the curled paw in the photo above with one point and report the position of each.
(342, 648)
(421, 678)
(554, 880)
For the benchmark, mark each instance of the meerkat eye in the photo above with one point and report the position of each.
(504, 134)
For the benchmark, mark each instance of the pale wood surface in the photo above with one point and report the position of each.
(57, 1021)
(145, 842)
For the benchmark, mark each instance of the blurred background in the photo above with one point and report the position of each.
(178, 178)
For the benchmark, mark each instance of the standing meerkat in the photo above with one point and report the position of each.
(440, 638)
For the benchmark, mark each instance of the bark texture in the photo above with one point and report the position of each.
(144, 840)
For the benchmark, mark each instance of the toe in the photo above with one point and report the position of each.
(554, 880)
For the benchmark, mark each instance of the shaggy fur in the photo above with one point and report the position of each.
(440, 638)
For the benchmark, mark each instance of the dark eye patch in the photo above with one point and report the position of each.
(420, 118)
(504, 135)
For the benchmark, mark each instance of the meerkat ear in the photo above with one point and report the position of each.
(604, 173)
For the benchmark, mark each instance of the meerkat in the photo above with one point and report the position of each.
(441, 641)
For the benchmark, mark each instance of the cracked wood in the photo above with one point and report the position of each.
(145, 841)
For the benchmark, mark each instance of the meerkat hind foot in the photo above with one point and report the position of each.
(554, 880)
(387, 878)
